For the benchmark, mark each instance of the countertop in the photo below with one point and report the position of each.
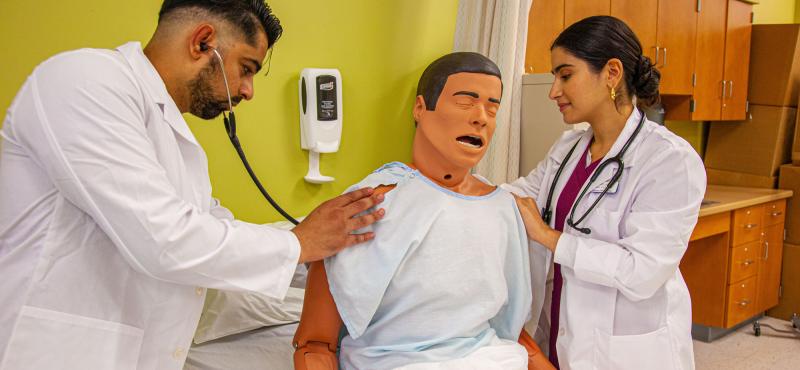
(726, 198)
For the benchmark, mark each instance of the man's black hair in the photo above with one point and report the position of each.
(435, 76)
(246, 15)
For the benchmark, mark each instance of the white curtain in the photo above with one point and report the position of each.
(498, 29)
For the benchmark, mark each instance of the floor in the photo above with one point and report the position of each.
(743, 350)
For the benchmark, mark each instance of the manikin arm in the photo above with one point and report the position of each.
(317, 335)
(536, 359)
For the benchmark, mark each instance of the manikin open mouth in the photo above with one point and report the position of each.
(471, 141)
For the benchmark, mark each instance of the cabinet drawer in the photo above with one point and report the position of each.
(744, 261)
(774, 212)
(747, 223)
(741, 301)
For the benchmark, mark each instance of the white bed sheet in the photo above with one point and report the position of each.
(268, 348)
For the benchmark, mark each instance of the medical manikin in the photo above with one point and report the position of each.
(446, 282)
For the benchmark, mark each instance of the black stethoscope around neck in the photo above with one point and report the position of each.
(547, 211)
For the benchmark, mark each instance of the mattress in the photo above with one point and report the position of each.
(268, 348)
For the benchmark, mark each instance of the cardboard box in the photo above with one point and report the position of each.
(796, 142)
(730, 178)
(756, 146)
(775, 65)
(789, 302)
(789, 179)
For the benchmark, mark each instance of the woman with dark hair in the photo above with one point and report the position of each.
(618, 201)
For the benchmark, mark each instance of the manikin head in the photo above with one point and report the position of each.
(458, 97)
(188, 34)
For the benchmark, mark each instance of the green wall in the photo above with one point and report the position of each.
(774, 11)
(380, 47)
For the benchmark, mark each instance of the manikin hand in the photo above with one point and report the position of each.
(536, 228)
(327, 229)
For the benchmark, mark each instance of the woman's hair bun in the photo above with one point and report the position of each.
(646, 81)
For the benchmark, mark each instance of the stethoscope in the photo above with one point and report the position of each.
(230, 127)
(547, 211)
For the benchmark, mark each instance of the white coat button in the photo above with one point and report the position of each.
(199, 291)
(561, 332)
(178, 354)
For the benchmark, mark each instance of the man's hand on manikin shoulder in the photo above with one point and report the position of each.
(329, 228)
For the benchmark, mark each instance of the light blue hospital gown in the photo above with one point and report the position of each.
(445, 275)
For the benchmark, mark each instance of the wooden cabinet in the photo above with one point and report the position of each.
(545, 22)
(733, 264)
(737, 60)
(705, 268)
(701, 48)
(709, 72)
(770, 256)
(639, 16)
(675, 54)
(665, 28)
(721, 66)
(575, 10)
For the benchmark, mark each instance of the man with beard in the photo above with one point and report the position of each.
(108, 231)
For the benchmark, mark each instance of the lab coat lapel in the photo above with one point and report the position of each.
(154, 86)
(195, 162)
(628, 159)
(557, 156)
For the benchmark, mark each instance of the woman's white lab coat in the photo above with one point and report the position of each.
(115, 234)
(624, 303)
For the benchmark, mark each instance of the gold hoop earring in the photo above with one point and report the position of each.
(613, 94)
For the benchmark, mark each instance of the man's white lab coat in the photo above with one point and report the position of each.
(108, 231)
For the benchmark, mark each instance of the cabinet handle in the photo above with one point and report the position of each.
(744, 302)
(766, 251)
(748, 262)
(724, 88)
(750, 226)
(776, 213)
(655, 62)
(730, 88)
(665, 58)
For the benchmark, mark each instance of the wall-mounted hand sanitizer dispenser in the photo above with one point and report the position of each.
(320, 117)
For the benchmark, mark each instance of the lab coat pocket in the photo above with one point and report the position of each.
(651, 350)
(46, 339)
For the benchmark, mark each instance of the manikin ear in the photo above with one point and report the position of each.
(204, 34)
(419, 108)
(614, 73)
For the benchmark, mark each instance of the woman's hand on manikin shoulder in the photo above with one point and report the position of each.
(535, 227)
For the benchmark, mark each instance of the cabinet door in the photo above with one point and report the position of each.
(709, 61)
(677, 28)
(575, 10)
(769, 269)
(640, 16)
(545, 22)
(737, 59)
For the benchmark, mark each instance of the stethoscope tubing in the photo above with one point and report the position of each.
(547, 211)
